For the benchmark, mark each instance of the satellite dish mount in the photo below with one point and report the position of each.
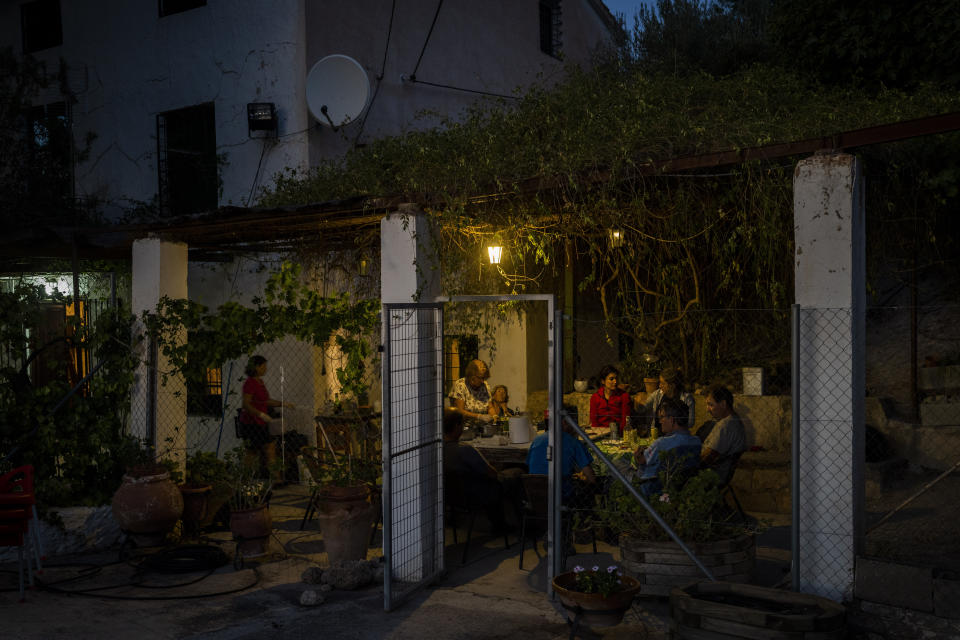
(338, 90)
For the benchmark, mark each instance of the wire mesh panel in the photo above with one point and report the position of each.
(830, 441)
(412, 446)
(913, 440)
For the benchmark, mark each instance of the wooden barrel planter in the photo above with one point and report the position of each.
(660, 566)
(729, 611)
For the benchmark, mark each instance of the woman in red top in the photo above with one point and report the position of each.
(255, 417)
(609, 402)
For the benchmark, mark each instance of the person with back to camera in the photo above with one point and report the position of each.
(610, 402)
(255, 416)
(671, 386)
(575, 459)
(676, 438)
(470, 396)
(727, 438)
(479, 484)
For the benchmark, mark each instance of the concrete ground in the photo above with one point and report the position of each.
(488, 597)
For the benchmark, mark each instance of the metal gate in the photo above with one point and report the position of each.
(412, 448)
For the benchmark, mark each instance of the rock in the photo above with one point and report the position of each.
(311, 598)
(312, 575)
(351, 574)
(326, 588)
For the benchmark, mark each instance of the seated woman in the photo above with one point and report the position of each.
(470, 396)
(610, 402)
(499, 401)
(671, 386)
(676, 444)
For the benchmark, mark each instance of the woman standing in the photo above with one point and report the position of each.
(255, 417)
(610, 402)
(671, 386)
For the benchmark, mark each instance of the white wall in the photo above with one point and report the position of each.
(127, 64)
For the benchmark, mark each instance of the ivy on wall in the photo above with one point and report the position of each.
(289, 308)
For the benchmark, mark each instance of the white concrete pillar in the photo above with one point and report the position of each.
(158, 408)
(409, 273)
(830, 288)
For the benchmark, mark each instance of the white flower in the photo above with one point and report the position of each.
(664, 497)
(577, 569)
(596, 568)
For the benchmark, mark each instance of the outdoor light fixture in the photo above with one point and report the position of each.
(364, 265)
(495, 253)
(261, 116)
(616, 238)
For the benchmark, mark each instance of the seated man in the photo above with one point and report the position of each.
(727, 438)
(683, 448)
(477, 478)
(574, 459)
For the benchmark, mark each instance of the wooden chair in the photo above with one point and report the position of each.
(726, 486)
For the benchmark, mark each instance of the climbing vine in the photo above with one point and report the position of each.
(288, 308)
(550, 177)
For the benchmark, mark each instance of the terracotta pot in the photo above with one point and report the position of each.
(594, 609)
(147, 507)
(346, 531)
(251, 529)
(651, 384)
(196, 498)
(333, 498)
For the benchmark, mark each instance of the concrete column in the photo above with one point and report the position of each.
(830, 288)
(158, 407)
(410, 273)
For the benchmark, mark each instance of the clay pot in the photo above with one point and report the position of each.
(195, 502)
(346, 532)
(651, 384)
(332, 498)
(147, 506)
(594, 609)
(251, 529)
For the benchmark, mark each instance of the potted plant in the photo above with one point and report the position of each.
(206, 489)
(250, 521)
(650, 368)
(698, 515)
(597, 596)
(346, 512)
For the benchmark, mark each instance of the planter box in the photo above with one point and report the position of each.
(660, 566)
(727, 611)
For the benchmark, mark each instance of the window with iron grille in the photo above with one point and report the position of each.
(40, 25)
(550, 24)
(204, 387)
(187, 160)
(169, 7)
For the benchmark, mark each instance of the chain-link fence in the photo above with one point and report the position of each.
(913, 435)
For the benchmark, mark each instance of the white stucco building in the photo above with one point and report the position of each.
(166, 87)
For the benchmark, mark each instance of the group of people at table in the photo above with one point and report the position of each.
(717, 444)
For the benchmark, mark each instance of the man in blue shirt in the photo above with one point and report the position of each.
(677, 444)
(574, 458)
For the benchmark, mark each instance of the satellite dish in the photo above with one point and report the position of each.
(337, 90)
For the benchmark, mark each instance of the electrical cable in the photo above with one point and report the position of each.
(383, 68)
(427, 41)
(449, 86)
(256, 175)
(178, 560)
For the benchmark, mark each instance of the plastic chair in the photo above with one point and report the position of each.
(17, 509)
